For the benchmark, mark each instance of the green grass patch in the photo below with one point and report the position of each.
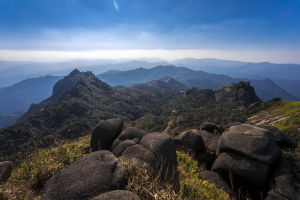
(27, 179)
(191, 184)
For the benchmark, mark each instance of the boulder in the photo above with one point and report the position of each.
(130, 133)
(205, 160)
(210, 127)
(117, 195)
(283, 140)
(105, 133)
(210, 140)
(283, 181)
(273, 195)
(5, 170)
(93, 174)
(122, 147)
(140, 157)
(244, 171)
(190, 139)
(213, 177)
(250, 141)
(157, 154)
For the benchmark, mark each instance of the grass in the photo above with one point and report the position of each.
(27, 179)
(290, 110)
(191, 184)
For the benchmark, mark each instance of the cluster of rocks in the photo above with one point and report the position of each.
(100, 175)
(245, 159)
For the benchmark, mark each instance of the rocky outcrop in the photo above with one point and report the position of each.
(241, 92)
(210, 140)
(283, 140)
(128, 137)
(190, 139)
(282, 182)
(105, 133)
(5, 170)
(251, 142)
(95, 173)
(237, 167)
(117, 195)
(157, 154)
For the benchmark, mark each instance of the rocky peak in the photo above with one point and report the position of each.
(74, 72)
(241, 92)
(73, 79)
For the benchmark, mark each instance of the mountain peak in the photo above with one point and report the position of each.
(241, 92)
(74, 72)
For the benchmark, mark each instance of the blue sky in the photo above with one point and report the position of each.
(254, 30)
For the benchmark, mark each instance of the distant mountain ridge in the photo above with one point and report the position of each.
(266, 89)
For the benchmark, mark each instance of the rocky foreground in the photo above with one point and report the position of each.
(245, 161)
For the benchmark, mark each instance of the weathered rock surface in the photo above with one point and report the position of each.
(210, 140)
(5, 170)
(272, 195)
(241, 167)
(283, 182)
(214, 178)
(130, 133)
(95, 173)
(251, 142)
(283, 140)
(205, 160)
(117, 195)
(190, 139)
(157, 153)
(122, 147)
(105, 133)
(210, 127)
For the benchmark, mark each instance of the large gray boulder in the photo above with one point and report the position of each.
(190, 139)
(155, 152)
(117, 195)
(251, 142)
(5, 170)
(105, 133)
(95, 173)
(283, 140)
(244, 170)
(210, 140)
(282, 181)
(132, 134)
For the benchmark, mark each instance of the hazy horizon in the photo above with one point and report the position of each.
(60, 31)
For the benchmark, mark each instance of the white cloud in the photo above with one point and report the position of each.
(276, 56)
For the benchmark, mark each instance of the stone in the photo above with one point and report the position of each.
(105, 133)
(130, 133)
(251, 142)
(93, 174)
(210, 127)
(213, 177)
(5, 170)
(249, 170)
(190, 139)
(117, 195)
(210, 140)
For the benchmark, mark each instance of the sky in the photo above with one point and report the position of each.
(57, 30)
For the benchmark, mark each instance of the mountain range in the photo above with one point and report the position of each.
(16, 99)
(80, 100)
